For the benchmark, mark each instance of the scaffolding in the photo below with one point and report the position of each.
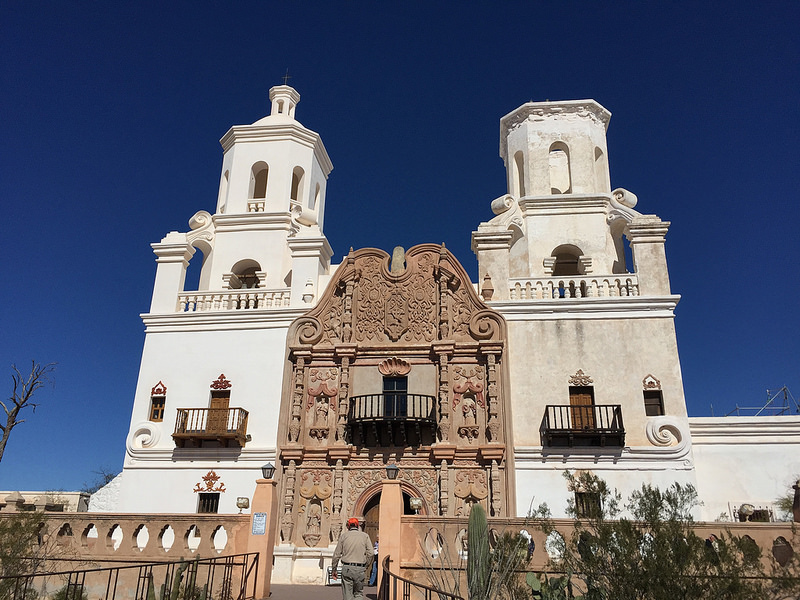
(780, 402)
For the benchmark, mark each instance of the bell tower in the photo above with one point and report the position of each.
(590, 332)
(560, 217)
(266, 231)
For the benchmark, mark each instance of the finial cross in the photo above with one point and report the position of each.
(286, 77)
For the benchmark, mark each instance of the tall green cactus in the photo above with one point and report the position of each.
(176, 581)
(478, 557)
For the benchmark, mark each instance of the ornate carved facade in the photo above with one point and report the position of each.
(400, 362)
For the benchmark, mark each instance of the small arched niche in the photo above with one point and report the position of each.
(567, 261)
(560, 176)
(258, 180)
(245, 274)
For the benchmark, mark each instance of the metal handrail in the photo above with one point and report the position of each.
(583, 418)
(19, 587)
(388, 588)
(395, 406)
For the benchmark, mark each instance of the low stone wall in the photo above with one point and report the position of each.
(421, 535)
(97, 536)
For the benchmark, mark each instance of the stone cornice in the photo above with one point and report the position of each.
(180, 252)
(317, 246)
(268, 318)
(257, 221)
(291, 131)
(187, 458)
(541, 111)
(623, 307)
(647, 229)
(629, 458)
(491, 240)
(745, 430)
(565, 204)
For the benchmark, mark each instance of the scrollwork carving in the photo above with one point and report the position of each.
(309, 330)
(485, 325)
(665, 431)
(144, 435)
(580, 379)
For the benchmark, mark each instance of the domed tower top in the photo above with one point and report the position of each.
(284, 100)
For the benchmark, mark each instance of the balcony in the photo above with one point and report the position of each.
(577, 286)
(247, 299)
(228, 426)
(583, 426)
(392, 420)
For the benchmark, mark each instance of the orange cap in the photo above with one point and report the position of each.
(352, 521)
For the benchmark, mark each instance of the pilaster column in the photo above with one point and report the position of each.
(173, 254)
(492, 248)
(646, 235)
(310, 257)
(263, 523)
(389, 526)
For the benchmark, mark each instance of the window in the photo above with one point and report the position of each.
(157, 408)
(560, 178)
(297, 184)
(158, 398)
(208, 502)
(653, 403)
(258, 180)
(587, 505)
(395, 396)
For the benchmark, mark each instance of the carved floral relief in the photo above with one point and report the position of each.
(470, 488)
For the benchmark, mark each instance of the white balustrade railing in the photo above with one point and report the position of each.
(233, 300)
(579, 286)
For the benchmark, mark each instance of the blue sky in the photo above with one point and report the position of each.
(112, 112)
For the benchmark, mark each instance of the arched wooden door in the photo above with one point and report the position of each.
(372, 515)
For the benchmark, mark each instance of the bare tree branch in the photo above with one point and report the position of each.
(23, 389)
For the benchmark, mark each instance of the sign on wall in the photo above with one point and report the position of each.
(259, 523)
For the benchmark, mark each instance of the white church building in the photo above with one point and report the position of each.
(562, 356)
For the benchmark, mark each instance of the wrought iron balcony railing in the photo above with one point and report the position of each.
(392, 419)
(228, 426)
(591, 425)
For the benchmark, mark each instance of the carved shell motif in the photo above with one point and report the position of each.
(394, 367)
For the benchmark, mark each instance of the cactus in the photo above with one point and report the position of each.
(151, 592)
(176, 581)
(556, 588)
(478, 557)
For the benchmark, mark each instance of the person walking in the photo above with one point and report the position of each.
(373, 578)
(354, 550)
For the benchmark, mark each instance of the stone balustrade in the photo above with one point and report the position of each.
(577, 286)
(443, 539)
(256, 205)
(247, 299)
(98, 536)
